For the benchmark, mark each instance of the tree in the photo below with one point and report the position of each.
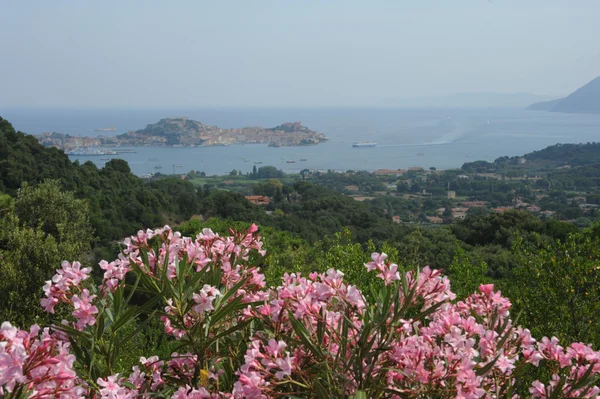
(558, 288)
(47, 227)
(55, 212)
(478, 211)
(269, 172)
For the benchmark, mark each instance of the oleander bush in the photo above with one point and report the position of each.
(314, 335)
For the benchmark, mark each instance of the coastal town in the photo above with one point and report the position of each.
(185, 132)
(550, 184)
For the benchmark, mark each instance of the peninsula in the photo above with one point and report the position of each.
(185, 132)
(585, 100)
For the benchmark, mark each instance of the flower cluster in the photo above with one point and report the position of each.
(36, 364)
(114, 273)
(59, 288)
(241, 339)
(203, 302)
(65, 287)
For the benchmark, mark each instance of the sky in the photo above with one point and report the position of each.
(289, 53)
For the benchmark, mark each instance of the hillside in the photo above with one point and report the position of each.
(567, 154)
(120, 202)
(552, 157)
(586, 99)
(544, 105)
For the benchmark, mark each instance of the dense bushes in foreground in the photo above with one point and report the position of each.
(311, 336)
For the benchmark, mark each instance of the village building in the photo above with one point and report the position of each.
(258, 199)
(435, 219)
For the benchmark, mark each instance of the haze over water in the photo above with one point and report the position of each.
(443, 138)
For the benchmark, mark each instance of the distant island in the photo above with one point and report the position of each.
(585, 100)
(185, 132)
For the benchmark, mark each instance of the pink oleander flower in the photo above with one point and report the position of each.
(84, 311)
(204, 299)
(378, 262)
(67, 278)
(189, 393)
(40, 363)
(114, 273)
(111, 388)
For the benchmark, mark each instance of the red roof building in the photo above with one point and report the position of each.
(258, 199)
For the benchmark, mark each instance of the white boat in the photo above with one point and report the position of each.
(364, 144)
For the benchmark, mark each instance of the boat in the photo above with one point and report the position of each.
(363, 144)
(303, 160)
(106, 129)
(257, 163)
(290, 161)
(420, 154)
(152, 159)
(158, 167)
(105, 159)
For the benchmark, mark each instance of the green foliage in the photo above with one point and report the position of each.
(119, 202)
(46, 227)
(55, 213)
(468, 272)
(365, 181)
(24, 159)
(267, 172)
(558, 288)
(569, 154)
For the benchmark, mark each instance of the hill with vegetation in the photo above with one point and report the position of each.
(549, 158)
(586, 99)
(119, 202)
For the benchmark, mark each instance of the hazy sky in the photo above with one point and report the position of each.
(146, 53)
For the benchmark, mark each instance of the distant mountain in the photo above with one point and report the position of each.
(469, 100)
(585, 100)
(544, 105)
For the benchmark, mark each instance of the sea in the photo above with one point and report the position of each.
(441, 138)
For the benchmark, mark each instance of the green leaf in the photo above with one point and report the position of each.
(133, 312)
(487, 367)
(304, 336)
(137, 330)
(359, 395)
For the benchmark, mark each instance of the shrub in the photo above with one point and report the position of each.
(312, 336)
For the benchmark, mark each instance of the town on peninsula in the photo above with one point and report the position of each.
(184, 132)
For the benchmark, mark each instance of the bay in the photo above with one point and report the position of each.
(443, 138)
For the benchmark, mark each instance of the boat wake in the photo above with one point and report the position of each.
(455, 134)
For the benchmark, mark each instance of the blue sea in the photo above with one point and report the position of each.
(443, 138)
